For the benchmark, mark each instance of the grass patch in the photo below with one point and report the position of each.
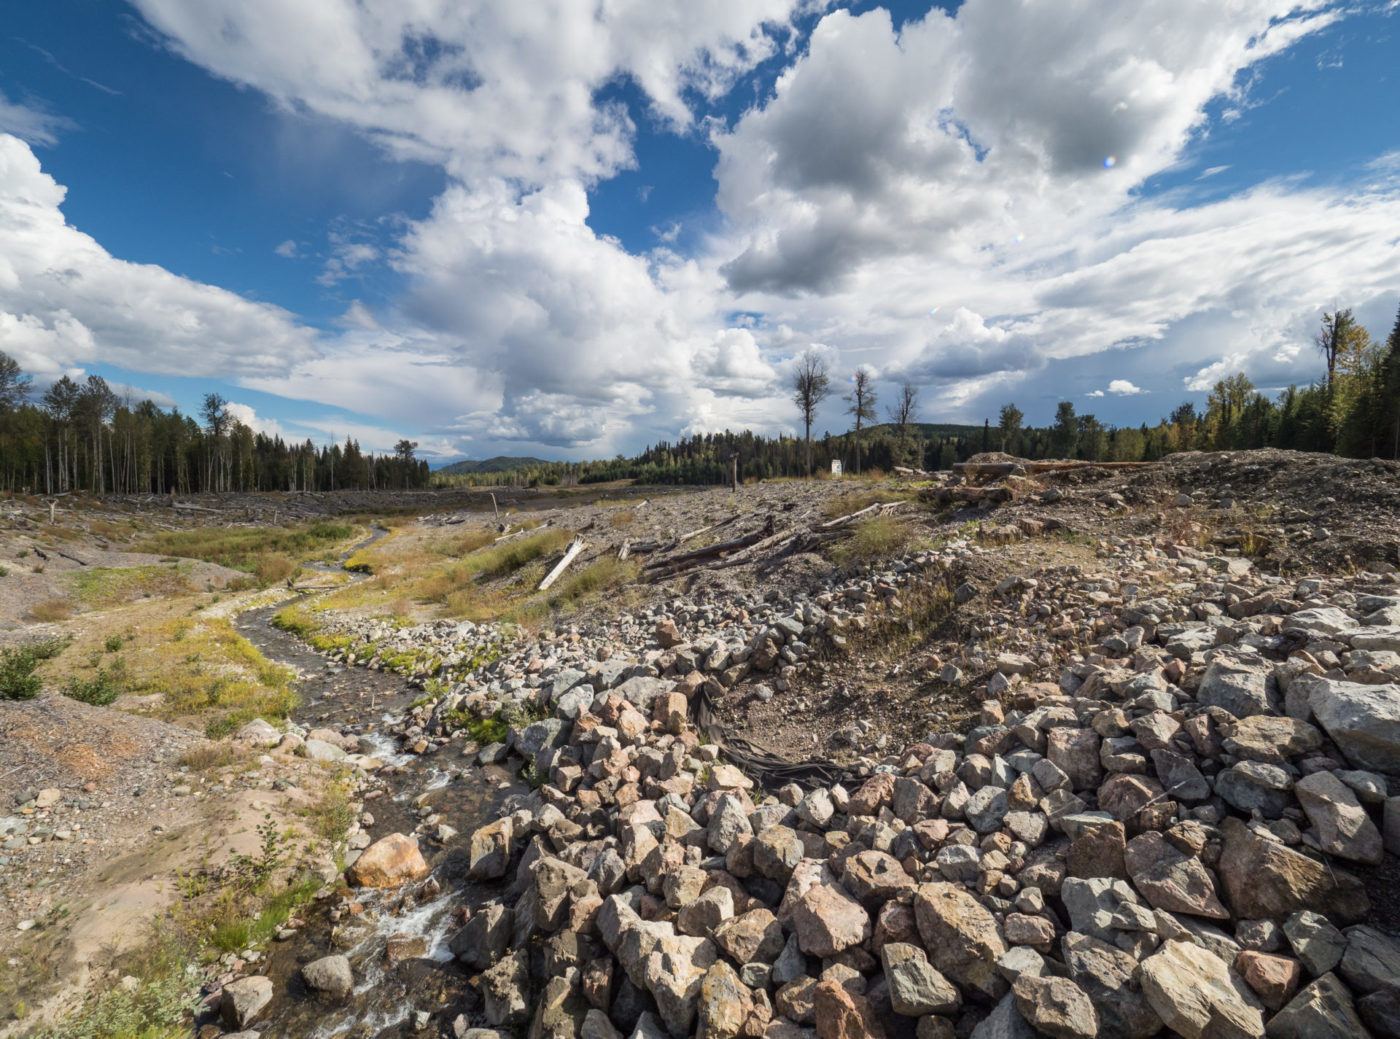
(466, 543)
(274, 569)
(110, 586)
(202, 670)
(510, 556)
(242, 548)
(51, 610)
(928, 605)
(333, 815)
(211, 756)
(873, 538)
(160, 1006)
(854, 501)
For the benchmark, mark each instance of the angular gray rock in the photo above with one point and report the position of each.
(1371, 961)
(1240, 687)
(916, 988)
(1317, 944)
(1196, 994)
(1323, 1010)
(1056, 1006)
(243, 1000)
(961, 935)
(1363, 720)
(1107, 976)
(1343, 827)
(828, 920)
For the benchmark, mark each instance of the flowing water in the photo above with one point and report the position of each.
(396, 940)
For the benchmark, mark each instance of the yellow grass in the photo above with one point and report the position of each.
(51, 610)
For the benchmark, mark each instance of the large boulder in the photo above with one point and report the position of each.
(916, 988)
(488, 854)
(1343, 827)
(1171, 880)
(673, 972)
(842, 1014)
(505, 990)
(1242, 687)
(725, 1003)
(243, 1000)
(961, 935)
(1056, 1006)
(1363, 720)
(329, 975)
(1264, 880)
(388, 862)
(1195, 993)
(1107, 976)
(1323, 1010)
(828, 920)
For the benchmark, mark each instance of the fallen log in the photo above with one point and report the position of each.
(700, 530)
(574, 549)
(625, 550)
(841, 521)
(674, 564)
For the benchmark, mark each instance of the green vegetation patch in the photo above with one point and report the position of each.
(242, 548)
(876, 537)
(110, 586)
(17, 678)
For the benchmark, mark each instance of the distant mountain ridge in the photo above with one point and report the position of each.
(499, 464)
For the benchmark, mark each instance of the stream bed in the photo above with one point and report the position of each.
(407, 982)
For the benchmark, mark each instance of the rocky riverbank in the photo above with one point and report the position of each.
(1173, 810)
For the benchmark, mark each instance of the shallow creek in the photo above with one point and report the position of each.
(396, 940)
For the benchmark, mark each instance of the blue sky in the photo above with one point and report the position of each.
(524, 229)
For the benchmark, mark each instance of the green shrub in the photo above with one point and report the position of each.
(99, 690)
(112, 643)
(17, 678)
(47, 649)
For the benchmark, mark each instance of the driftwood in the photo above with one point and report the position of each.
(904, 470)
(841, 521)
(675, 564)
(575, 548)
(748, 555)
(701, 530)
(975, 495)
(625, 550)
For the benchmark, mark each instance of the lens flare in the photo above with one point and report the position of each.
(1110, 161)
(932, 311)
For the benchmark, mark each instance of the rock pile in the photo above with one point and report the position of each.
(1159, 818)
(1154, 840)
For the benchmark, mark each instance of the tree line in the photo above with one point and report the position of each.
(84, 437)
(1354, 410)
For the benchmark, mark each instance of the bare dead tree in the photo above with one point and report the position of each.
(862, 403)
(810, 386)
(902, 413)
